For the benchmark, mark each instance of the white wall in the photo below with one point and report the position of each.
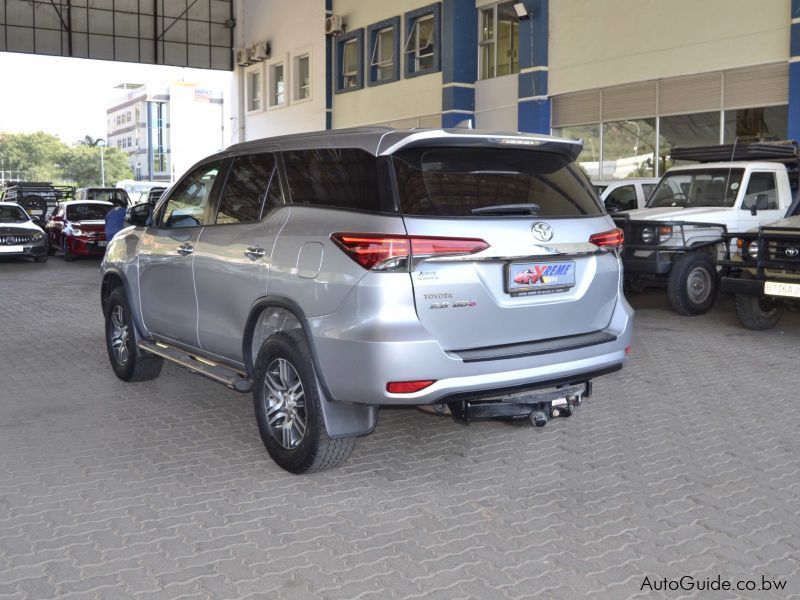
(196, 125)
(291, 28)
(496, 103)
(596, 44)
(408, 102)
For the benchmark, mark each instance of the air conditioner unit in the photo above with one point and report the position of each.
(261, 51)
(334, 25)
(244, 57)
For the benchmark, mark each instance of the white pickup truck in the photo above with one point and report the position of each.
(677, 239)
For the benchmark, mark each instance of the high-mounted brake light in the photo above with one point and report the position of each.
(408, 387)
(387, 252)
(608, 239)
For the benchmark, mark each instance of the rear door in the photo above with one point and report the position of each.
(166, 256)
(234, 252)
(540, 278)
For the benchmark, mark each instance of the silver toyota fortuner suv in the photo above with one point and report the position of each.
(337, 272)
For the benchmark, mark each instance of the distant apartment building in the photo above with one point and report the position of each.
(165, 129)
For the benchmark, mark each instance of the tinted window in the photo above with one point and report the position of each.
(341, 178)
(712, 187)
(458, 182)
(187, 205)
(762, 192)
(621, 198)
(87, 212)
(647, 189)
(251, 190)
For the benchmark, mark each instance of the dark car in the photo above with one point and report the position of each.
(19, 235)
(105, 194)
(78, 228)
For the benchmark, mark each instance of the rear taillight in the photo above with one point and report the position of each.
(391, 252)
(608, 239)
(408, 387)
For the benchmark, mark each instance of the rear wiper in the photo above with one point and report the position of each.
(507, 209)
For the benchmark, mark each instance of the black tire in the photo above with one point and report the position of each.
(757, 313)
(34, 204)
(313, 450)
(692, 284)
(65, 249)
(41, 259)
(137, 366)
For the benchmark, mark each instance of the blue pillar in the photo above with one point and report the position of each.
(459, 61)
(328, 72)
(533, 114)
(793, 132)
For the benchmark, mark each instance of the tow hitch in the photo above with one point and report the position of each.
(539, 406)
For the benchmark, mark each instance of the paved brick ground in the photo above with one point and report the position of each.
(684, 463)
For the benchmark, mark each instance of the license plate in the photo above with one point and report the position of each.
(539, 278)
(102, 244)
(775, 288)
(10, 249)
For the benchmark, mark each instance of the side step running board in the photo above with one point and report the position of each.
(219, 373)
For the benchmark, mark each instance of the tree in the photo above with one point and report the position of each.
(37, 155)
(81, 165)
(44, 157)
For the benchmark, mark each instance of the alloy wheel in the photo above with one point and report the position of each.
(285, 398)
(119, 335)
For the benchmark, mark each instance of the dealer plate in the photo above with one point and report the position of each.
(10, 249)
(776, 288)
(539, 277)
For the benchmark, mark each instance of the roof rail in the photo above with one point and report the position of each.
(781, 151)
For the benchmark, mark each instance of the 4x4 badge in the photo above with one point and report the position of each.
(542, 231)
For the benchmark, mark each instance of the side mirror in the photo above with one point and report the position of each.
(37, 219)
(139, 215)
(751, 204)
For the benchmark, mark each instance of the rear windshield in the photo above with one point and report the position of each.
(108, 195)
(478, 182)
(87, 212)
(708, 187)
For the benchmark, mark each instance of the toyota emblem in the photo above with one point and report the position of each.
(542, 231)
(792, 252)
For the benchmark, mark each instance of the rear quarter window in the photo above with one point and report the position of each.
(339, 178)
(466, 182)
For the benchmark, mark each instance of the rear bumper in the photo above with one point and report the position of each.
(357, 370)
(85, 247)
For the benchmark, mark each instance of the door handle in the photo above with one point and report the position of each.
(185, 249)
(255, 252)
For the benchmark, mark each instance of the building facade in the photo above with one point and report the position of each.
(632, 78)
(165, 129)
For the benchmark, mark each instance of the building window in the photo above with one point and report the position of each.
(421, 47)
(350, 62)
(277, 85)
(302, 77)
(498, 43)
(756, 124)
(629, 149)
(254, 91)
(384, 51)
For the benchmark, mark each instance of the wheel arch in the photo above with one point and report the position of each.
(276, 313)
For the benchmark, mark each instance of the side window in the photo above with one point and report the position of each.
(338, 178)
(187, 204)
(762, 193)
(647, 189)
(622, 198)
(251, 190)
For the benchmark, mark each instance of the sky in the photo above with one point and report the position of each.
(68, 97)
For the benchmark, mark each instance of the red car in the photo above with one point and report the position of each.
(78, 228)
(527, 277)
